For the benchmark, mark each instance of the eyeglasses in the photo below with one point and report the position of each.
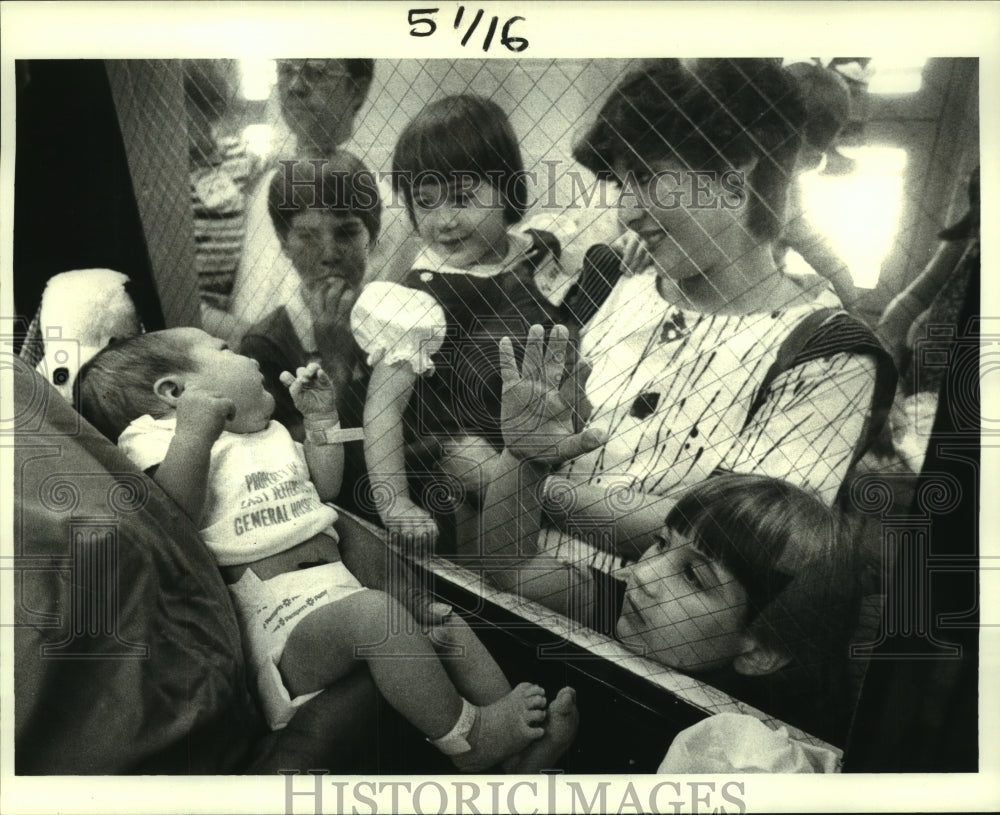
(311, 71)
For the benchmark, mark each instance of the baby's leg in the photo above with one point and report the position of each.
(474, 671)
(373, 627)
(480, 680)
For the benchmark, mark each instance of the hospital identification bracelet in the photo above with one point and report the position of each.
(327, 430)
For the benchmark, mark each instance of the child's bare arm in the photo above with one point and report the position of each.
(183, 473)
(314, 396)
(511, 518)
(388, 392)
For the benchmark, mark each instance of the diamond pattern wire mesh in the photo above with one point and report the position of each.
(222, 179)
(148, 93)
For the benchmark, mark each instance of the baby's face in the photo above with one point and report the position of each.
(682, 608)
(221, 372)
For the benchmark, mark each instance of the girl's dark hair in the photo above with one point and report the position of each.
(461, 135)
(342, 184)
(706, 115)
(795, 557)
(116, 386)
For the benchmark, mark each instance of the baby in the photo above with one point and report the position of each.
(197, 418)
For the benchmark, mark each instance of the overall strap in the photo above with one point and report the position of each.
(824, 333)
(542, 244)
(790, 348)
(602, 269)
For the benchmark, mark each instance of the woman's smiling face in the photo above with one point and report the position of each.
(689, 220)
(682, 608)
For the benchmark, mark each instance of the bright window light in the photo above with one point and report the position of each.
(257, 78)
(259, 139)
(896, 76)
(859, 213)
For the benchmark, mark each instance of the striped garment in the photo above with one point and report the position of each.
(674, 389)
(219, 203)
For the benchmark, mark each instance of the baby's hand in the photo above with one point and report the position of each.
(311, 389)
(203, 415)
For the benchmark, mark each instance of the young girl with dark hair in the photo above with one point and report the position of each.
(433, 341)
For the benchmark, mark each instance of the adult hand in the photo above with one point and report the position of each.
(538, 416)
(311, 389)
(203, 415)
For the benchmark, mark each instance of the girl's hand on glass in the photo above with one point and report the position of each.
(311, 390)
(541, 411)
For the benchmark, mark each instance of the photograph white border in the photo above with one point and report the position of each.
(554, 29)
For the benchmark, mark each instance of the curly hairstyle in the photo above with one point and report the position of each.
(706, 115)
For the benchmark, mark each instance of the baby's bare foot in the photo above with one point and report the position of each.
(560, 730)
(504, 728)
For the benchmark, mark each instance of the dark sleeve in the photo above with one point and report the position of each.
(160, 685)
(602, 269)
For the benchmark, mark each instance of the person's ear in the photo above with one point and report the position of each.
(169, 389)
(758, 659)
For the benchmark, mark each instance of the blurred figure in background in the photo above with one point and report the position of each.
(319, 99)
(933, 300)
(827, 100)
(222, 171)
